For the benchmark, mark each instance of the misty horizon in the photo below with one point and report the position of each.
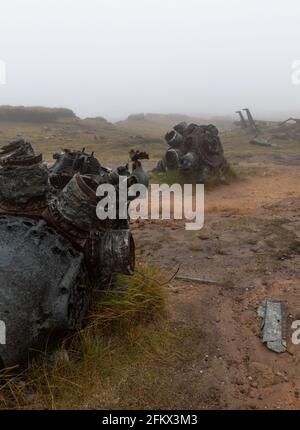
(115, 58)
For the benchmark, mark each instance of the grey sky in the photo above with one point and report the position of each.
(115, 57)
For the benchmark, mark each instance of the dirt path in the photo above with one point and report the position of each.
(250, 244)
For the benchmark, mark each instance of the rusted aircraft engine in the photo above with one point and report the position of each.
(68, 162)
(53, 248)
(194, 149)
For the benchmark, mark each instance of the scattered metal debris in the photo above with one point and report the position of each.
(53, 248)
(284, 130)
(273, 326)
(243, 122)
(197, 280)
(260, 141)
(287, 130)
(253, 125)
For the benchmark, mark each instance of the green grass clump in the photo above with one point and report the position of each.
(133, 300)
(225, 176)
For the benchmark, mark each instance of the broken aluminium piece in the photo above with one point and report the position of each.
(273, 325)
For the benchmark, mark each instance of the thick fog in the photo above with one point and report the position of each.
(115, 57)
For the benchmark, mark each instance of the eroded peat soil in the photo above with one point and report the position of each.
(251, 244)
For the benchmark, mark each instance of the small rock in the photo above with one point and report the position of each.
(264, 373)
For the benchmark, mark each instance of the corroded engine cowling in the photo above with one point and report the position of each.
(117, 250)
(173, 159)
(43, 285)
(18, 148)
(108, 247)
(174, 139)
(22, 181)
(189, 162)
(77, 202)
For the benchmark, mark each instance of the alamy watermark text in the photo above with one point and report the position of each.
(160, 202)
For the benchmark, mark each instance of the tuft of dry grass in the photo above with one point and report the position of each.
(126, 328)
(132, 300)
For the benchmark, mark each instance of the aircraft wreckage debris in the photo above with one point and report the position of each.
(273, 314)
(53, 248)
(194, 149)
